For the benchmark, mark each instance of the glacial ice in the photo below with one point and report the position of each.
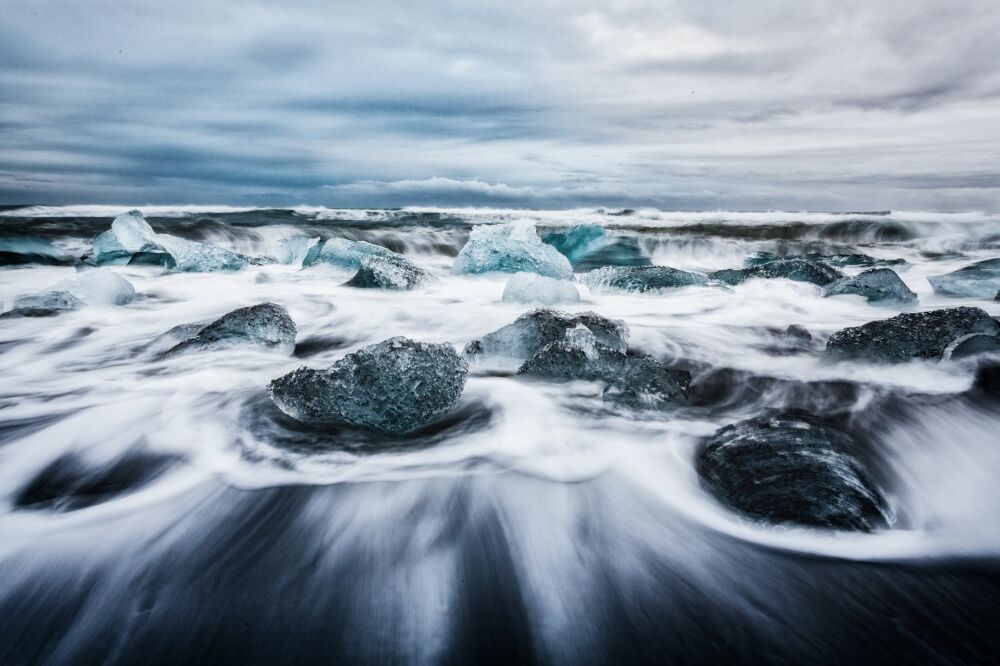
(532, 288)
(344, 253)
(395, 386)
(978, 280)
(792, 468)
(876, 285)
(131, 240)
(298, 250)
(392, 271)
(98, 286)
(529, 333)
(641, 278)
(266, 325)
(587, 246)
(911, 335)
(800, 270)
(27, 250)
(510, 248)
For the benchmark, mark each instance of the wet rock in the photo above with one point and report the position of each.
(72, 483)
(911, 335)
(525, 336)
(531, 288)
(395, 386)
(792, 468)
(877, 285)
(510, 248)
(648, 384)
(974, 345)
(978, 280)
(641, 278)
(799, 270)
(264, 325)
(387, 272)
(799, 332)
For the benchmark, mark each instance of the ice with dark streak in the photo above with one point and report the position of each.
(391, 271)
(345, 253)
(396, 386)
(510, 248)
(529, 333)
(793, 468)
(911, 335)
(588, 246)
(978, 280)
(266, 325)
(877, 285)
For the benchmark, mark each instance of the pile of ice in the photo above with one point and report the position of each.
(395, 386)
(510, 248)
(531, 288)
(266, 325)
(132, 241)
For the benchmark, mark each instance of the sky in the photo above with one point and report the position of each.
(685, 104)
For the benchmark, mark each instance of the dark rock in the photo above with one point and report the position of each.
(265, 325)
(390, 271)
(799, 332)
(978, 280)
(395, 386)
(836, 260)
(800, 270)
(876, 285)
(792, 468)
(525, 336)
(648, 384)
(642, 278)
(911, 335)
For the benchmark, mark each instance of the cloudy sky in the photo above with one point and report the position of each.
(795, 104)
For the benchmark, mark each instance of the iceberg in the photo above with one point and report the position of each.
(641, 278)
(264, 325)
(510, 248)
(978, 280)
(344, 253)
(387, 272)
(395, 386)
(792, 468)
(877, 285)
(911, 335)
(532, 288)
(529, 333)
(132, 241)
(298, 250)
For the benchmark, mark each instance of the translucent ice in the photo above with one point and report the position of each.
(98, 287)
(577, 241)
(298, 250)
(391, 271)
(395, 386)
(978, 280)
(876, 285)
(510, 248)
(344, 253)
(43, 305)
(587, 246)
(525, 336)
(532, 288)
(265, 325)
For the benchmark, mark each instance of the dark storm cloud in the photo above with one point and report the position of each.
(556, 103)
